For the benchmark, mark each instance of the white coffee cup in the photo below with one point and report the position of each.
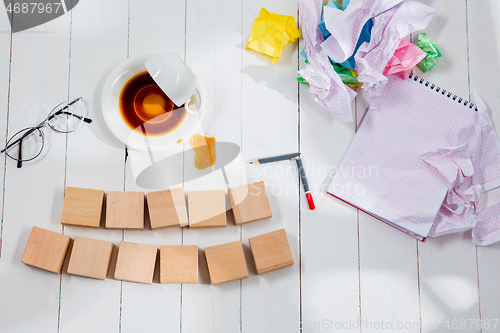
(176, 80)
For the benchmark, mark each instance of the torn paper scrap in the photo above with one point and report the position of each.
(451, 162)
(364, 36)
(325, 84)
(455, 165)
(271, 32)
(388, 30)
(484, 147)
(487, 228)
(430, 48)
(322, 25)
(458, 211)
(345, 26)
(406, 56)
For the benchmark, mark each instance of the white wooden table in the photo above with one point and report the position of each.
(348, 266)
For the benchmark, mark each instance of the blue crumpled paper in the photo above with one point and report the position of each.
(363, 37)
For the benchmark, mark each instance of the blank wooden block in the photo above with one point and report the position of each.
(226, 262)
(179, 264)
(82, 207)
(271, 251)
(46, 249)
(250, 203)
(167, 209)
(207, 209)
(135, 262)
(125, 210)
(90, 258)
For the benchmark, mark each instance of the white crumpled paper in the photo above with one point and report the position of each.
(394, 19)
(345, 25)
(325, 84)
(470, 169)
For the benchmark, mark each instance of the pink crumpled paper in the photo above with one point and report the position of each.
(406, 56)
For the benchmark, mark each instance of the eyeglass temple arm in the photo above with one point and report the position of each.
(87, 120)
(20, 156)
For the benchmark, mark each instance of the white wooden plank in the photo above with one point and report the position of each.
(213, 51)
(99, 32)
(5, 46)
(484, 65)
(329, 234)
(154, 27)
(447, 265)
(271, 302)
(389, 295)
(39, 80)
(388, 277)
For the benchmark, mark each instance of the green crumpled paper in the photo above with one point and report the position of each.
(348, 76)
(430, 48)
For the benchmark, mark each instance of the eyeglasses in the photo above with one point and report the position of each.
(28, 143)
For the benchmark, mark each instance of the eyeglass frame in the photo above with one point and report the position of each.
(38, 128)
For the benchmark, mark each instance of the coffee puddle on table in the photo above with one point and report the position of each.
(204, 151)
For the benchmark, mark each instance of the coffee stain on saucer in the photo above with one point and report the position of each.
(204, 151)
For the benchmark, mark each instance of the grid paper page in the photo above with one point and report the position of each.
(383, 172)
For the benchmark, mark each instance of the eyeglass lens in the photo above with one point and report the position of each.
(31, 142)
(67, 116)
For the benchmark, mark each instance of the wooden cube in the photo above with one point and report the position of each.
(167, 209)
(125, 210)
(226, 262)
(207, 209)
(179, 264)
(135, 262)
(90, 258)
(250, 203)
(46, 249)
(82, 207)
(271, 251)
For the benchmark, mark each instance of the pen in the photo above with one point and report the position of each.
(295, 156)
(303, 177)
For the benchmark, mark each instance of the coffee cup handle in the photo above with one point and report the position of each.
(196, 111)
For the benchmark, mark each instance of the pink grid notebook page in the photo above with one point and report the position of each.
(383, 172)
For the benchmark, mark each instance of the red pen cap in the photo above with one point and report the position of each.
(310, 201)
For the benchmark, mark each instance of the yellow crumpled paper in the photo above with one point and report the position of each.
(271, 32)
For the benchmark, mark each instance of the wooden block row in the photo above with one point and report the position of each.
(136, 262)
(125, 210)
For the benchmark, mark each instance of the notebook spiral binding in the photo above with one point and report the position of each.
(442, 91)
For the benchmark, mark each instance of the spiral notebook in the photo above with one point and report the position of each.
(383, 172)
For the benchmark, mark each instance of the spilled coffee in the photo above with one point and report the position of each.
(146, 109)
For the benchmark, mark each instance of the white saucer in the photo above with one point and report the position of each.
(111, 112)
